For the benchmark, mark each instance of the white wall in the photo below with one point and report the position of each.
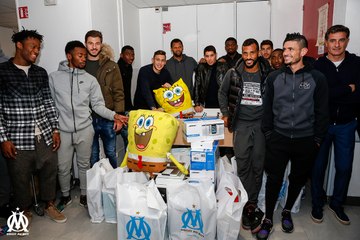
(352, 21)
(201, 25)
(286, 17)
(6, 44)
(68, 20)
(105, 17)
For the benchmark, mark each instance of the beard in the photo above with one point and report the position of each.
(252, 65)
(94, 55)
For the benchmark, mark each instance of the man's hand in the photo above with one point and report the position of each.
(56, 140)
(198, 108)
(123, 119)
(202, 60)
(226, 120)
(352, 86)
(166, 85)
(8, 149)
(117, 125)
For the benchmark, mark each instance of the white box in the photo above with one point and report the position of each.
(203, 129)
(203, 174)
(202, 145)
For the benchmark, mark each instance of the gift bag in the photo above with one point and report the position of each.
(94, 181)
(231, 198)
(192, 210)
(118, 175)
(224, 165)
(282, 194)
(141, 212)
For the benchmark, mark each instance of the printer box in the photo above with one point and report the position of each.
(204, 159)
(203, 175)
(203, 129)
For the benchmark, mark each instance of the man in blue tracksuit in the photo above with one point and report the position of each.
(342, 71)
(294, 123)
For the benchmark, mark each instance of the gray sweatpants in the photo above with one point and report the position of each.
(249, 149)
(79, 142)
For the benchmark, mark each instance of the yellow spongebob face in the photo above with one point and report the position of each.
(151, 133)
(174, 99)
(143, 130)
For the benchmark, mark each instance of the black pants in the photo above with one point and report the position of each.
(42, 159)
(279, 151)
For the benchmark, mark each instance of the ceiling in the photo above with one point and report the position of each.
(8, 16)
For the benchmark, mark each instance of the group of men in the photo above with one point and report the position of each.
(279, 105)
(77, 104)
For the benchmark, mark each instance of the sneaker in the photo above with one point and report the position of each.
(54, 214)
(248, 216)
(317, 215)
(83, 201)
(64, 201)
(287, 225)
(265, 230)
(256, 223)
(340, 214)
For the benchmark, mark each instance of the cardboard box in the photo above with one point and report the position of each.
(204, 159)
(203, 174)
(203, 129)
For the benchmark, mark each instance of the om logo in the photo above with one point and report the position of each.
(138, 228)
(192, 219)
(17, 222)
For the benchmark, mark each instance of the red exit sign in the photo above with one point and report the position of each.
(23, 12)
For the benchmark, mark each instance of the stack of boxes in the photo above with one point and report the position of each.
(203, 134)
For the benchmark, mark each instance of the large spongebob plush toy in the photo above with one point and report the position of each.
(175, 100)
(150, 135)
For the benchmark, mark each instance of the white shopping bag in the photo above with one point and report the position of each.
(282, 194)
(141, 212)
(231, 198)
(223, 165)
(94, 181)
(118, 175)
(192, 210)
(284, 191)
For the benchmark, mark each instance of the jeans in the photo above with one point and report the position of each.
(343, 137)
(104, 128)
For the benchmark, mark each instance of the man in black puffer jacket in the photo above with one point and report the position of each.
(240, 98)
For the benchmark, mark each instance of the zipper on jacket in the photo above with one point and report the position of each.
(71, 96)
(293, 106)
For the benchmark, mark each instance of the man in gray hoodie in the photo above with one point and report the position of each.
(73, 91)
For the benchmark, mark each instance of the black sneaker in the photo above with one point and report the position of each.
(248, 216)
(265, 230)
(256, 223)
(287, 225)
(340, 214)
(64, 201)
(83, 201)
(317, 215)
(5, 211)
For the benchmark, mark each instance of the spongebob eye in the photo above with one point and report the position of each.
(168, 94)
(178, 90)
(149, 121)
(140, 121)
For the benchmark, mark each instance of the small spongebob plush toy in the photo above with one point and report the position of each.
(150, 135)
(175, 100)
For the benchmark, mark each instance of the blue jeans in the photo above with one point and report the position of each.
(343, 137)
(104, 128)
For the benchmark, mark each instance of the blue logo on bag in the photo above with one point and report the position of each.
(138, 228)
(192, 219)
